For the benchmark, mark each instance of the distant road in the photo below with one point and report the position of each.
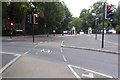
(112, 38)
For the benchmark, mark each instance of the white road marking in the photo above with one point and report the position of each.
(51, 51)
(76, 75)
(62, 43)
(90, 75)
(12, 61)
(64, 58)
(46, 50)
(92, 71)
(42, 50)
(27, 52)
(36, 45)
(10, 53)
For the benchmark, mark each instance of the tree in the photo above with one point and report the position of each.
(54, 14)
(23, 8)
(68, 18)
(75, 22)
(87, 19)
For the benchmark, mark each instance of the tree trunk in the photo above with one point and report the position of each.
(24, 22)
(48, 33)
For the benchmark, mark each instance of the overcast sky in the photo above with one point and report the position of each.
(75, 6)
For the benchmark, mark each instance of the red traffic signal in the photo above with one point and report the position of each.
(36, 15)
(109, 11)
(110, 7)
(36, 18)
(11, 24)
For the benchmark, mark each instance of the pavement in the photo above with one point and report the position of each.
(88, 42)
(30, 37)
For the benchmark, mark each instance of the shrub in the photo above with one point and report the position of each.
(118, 29)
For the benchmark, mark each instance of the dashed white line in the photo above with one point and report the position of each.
(61, 49)
(76, 75)
(27, 52)
(64, 58)
(36, 45)
(62, 43)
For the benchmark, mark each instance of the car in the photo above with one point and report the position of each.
(111, 31)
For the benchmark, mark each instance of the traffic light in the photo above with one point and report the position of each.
(36, 18)
(109, 11)
(96, 21)
(11, 24)
(29, 18)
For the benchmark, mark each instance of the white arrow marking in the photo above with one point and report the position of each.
(42, 50)
(48, 51)
(92, 71)
(90, 75)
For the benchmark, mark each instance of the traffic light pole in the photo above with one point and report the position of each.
(103, 25)
(33, 24)
(96, 24)
(96, 33)
(11, 33)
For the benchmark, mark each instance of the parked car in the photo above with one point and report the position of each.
(112, 31)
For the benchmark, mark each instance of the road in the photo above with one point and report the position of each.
(75, 63)
(110, 38)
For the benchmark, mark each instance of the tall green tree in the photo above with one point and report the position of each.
(68, 18)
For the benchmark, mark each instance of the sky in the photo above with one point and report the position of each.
(75, 6)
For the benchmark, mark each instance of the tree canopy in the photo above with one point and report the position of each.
(53, 15)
